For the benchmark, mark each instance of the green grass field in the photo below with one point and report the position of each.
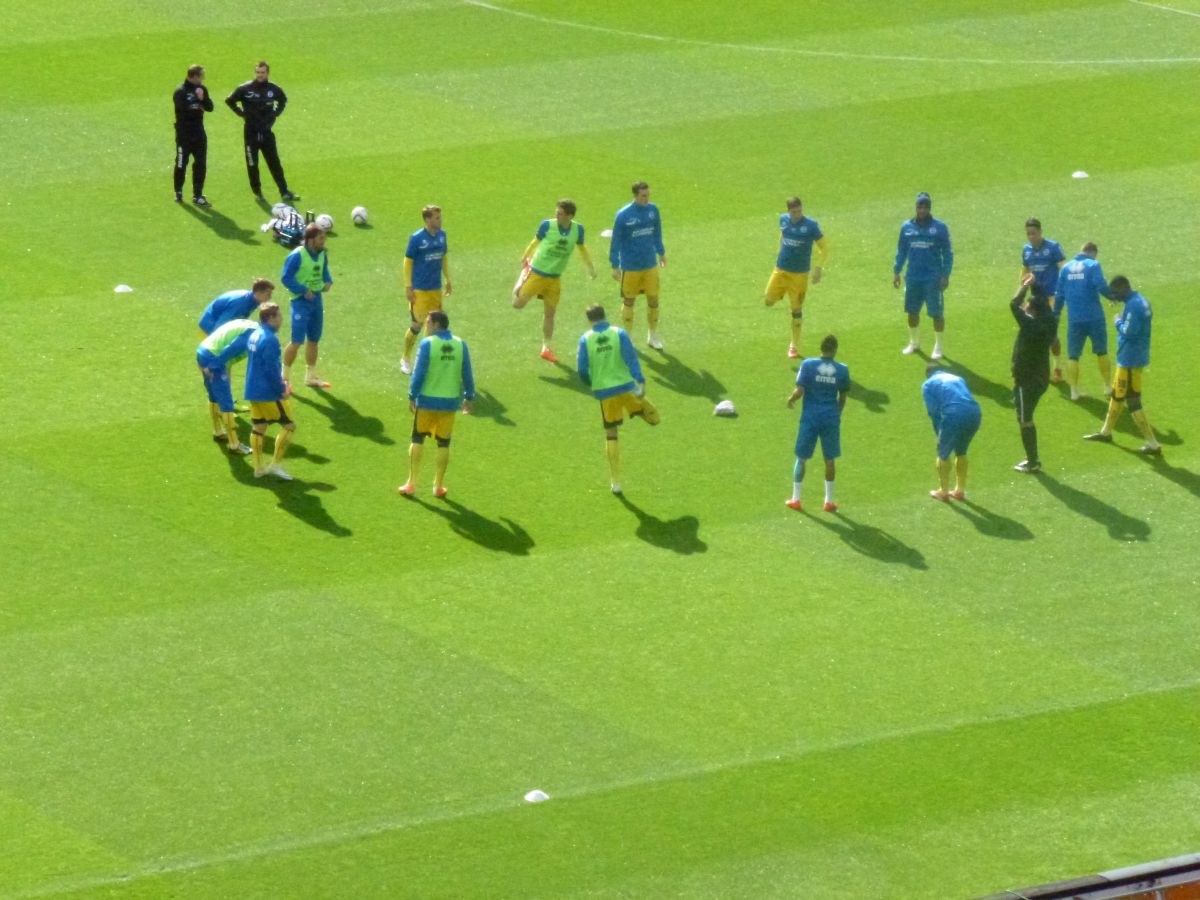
(212, 686)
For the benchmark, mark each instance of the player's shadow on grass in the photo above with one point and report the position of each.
(873, 400)
(871, 541)
(296, 497)
(1185, 478)
(1121, 526)
(680, 535)
(981, 385)
(503, 535)
(672, 374)
(991, 524)
(1098, 407)
(486, 406)
(222, 225)
(344, 418)
(569, 379)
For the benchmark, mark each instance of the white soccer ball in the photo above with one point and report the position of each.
(359, 215)
(725, 408)
(325, 221)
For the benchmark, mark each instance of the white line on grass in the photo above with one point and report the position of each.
(353, 831)
(836, 54)
(1182, 12)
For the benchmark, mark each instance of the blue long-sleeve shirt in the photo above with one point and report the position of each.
(1081, 283)
(421, 370)
(232, 351)
(291, 266)
(264, 370)
(229, 306)
(947, 396)
(1043, 263)
(1133, 333)
(925, 247)
(637, 238)
(628, 356)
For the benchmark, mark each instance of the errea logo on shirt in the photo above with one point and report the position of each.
(827, 368)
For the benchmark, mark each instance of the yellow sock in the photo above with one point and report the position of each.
(1073, 372)
(256, 444)
(215, 412)
(281, 445)
(960, 473)
(409, 340)
(627, 315)
(1105, 365)
(613, 449)
(231, 428)
(414, 460)
(1144, 427)
(439, 467)
(652, 318)
(1114, 413)
(796, 326)
(943, 470)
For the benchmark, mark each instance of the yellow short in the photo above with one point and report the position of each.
(794, 284)
(435, 423)
(424, 302)
(1127, 381)
(531, 284)
(270, 411)
(614, 409)
(643, 281)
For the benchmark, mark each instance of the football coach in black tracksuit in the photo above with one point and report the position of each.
(191, 103)
(259, 103)
(1031, 363)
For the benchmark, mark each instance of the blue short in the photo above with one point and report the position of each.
(923, 293)
(1095, 330)
(308, 319)
(829, 431)
(956, 433)
(216, 384)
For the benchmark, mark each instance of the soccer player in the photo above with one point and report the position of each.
(235, 305)
(636, 255)
(924, 246)
(191, 103)
(543, 263)
(441, 384)
(823, 383)
(267, 393)
(1080, 285)
(956, 417)
(217, 352)
(1038, 331)
(306, 275)
(790, 277)
(1042, 258)
(260, 102)
(1133, 355)
(426, 266)
(609, 365)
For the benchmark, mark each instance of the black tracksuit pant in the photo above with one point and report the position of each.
(193, 143)
(262, 138)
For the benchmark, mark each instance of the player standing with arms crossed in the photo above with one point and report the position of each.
(924, 246)
(636, 255)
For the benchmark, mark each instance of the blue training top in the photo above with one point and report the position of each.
(822, 379)
(636, 238)
(1081, 283)
(264, 373)
(1043, 263)
(445, 404)
(229, 306)
(1133, 333)
(426, 251)
(948, 397)
(925, 247)
(628, 354)
(796, 243)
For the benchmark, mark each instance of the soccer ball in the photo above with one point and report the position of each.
(726, 409)
(325, 221)
(359, 215)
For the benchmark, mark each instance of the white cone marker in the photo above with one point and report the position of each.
(1079, 174)
(122, 289)
(536, 796)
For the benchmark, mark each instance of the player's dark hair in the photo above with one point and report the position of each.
(428, 211)
(567, 206)
(1120, 283)
(829, 345)
(261, 284)
(311, 230)
(639, 186)
(439, 320)
(1033, 223)
(268, 311)
(932, 369)
(595, 313)
(793, 202)
(1089, 248)
(194, 71)
(263, 64)
(1039, 300)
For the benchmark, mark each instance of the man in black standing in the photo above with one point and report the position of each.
(1031, 363)
(259, 103)
(191, 103)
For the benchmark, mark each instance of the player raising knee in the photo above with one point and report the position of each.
(790, 277)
